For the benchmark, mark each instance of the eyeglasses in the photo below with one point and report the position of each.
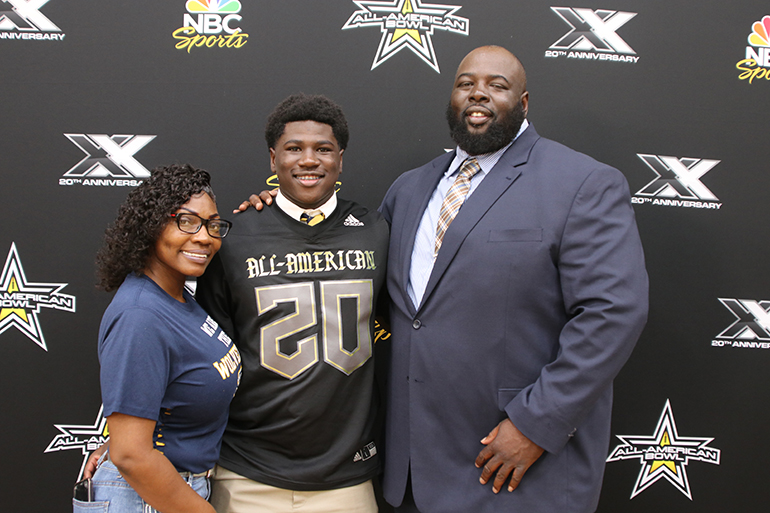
(190, 223)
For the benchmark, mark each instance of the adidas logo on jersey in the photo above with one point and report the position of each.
(352, 221)
(366, 452)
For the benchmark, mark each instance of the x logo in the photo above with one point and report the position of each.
(109, 156)
(753, 319)
(26, 16)
(678, 177)
(593, 30)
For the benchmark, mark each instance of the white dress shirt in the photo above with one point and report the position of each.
(294, 211)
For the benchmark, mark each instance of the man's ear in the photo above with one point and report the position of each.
(272, 160)
(525, 102)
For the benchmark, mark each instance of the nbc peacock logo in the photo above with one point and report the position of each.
(231, 6)
(756, 64)
(209, 24)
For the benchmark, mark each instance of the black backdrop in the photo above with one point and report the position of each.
(650, 87)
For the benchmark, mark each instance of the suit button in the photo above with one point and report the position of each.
(416, 324)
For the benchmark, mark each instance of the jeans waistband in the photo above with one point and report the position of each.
(207, 473)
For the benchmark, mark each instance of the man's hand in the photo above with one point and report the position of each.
(257, 201)
(507, 450)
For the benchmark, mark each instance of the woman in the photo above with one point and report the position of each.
(168, 372)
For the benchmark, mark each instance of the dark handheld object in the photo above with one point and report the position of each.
(82, 490)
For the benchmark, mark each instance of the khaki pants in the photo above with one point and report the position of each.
(233, 493)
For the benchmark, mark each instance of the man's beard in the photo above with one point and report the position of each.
(500, 131)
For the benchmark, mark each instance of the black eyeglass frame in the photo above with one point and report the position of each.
(204, 222)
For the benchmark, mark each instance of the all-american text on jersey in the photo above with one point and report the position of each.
(312, 262)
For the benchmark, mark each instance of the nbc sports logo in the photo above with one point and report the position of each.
(756, 63)
(206, 22)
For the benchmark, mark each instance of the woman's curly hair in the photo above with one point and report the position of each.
(142, 217)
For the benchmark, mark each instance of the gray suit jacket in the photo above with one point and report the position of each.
(536, 300)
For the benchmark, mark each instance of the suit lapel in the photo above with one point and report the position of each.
(422, 191)
(497, 181)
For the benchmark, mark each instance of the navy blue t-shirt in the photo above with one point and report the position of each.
(169, 362)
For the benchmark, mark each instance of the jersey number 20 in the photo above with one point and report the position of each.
(303, 297)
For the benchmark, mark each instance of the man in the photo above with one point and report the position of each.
(510, 324)
(295, 288)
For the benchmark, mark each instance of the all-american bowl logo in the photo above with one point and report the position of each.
(21, 300)
(592, 35)
(664, 454)
(84, 438)
(22, 19)
(407, 24)
(677, 183)
(751, 327)
(756, 64)
(109, 160)
(211, 23)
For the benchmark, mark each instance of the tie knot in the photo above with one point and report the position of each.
(312, 217)
(470, 167)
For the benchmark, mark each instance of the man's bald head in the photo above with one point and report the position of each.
(498, 58)
(489, 100)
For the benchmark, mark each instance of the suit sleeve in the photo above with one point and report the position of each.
(386, 208)
(605, 293)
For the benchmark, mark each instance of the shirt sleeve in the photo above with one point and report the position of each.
(134, 358)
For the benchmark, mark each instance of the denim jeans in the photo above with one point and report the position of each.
(111, 493)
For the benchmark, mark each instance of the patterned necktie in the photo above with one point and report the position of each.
(454, 199)
(312, 218)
